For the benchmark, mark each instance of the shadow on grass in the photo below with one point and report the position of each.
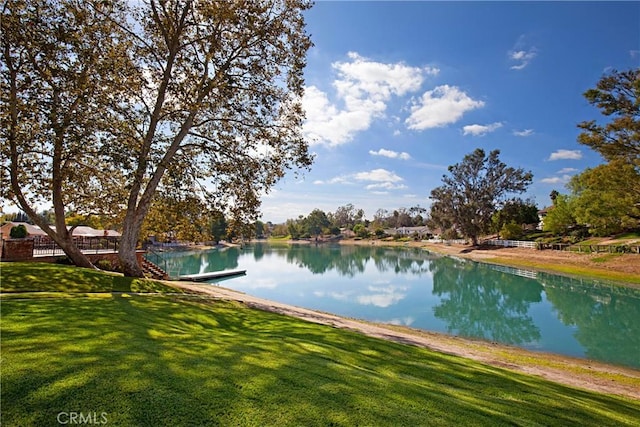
(47, 277)
(167, 361)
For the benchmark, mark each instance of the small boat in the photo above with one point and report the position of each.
(201, 277)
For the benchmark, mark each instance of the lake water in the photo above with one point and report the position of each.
(404, 286)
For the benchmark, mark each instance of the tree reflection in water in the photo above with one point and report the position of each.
(479, 302)
(607, 317)
(351, 260)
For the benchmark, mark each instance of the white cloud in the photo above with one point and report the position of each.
(521, 54)
(556, 179)
(335, 180)
(362, 78)
(378, 181)
(481, 130)
(364, 87)
(526, 132)
(566, 155)
(439, 107)
(385, 186)
(390, 154)
(325, 123)
(567, 170)
(377, 175)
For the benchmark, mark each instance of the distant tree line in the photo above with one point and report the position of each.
(348, 217)
(478, 195)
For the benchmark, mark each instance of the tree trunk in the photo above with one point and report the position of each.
(127, 252)
(75, 255)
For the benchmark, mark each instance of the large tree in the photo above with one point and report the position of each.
(607, 197)
(346, 216)
(223, 88)
(516, 211)
(182, 216)
(212, 96)
(472, 192)
(617, 95)
(63, 67)
(316, 222)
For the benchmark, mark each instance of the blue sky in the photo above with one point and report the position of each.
(398, 91)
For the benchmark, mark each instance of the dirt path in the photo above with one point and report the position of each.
(570, 371)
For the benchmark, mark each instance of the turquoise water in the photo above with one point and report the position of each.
(537, 311)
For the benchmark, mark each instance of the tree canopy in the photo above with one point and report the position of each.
(517, 211)
(560, 218)
(607, 197)
(316, 222)
(109, 100)
(472, 192)
(63, 67)
(617, 95)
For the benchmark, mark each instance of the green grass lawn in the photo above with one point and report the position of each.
(47, 277)
(180, 360)
(628, 236)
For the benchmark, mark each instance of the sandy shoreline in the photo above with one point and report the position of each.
(574, 372)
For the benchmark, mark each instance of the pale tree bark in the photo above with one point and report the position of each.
(207, 90)
(62, 71)
(60, 235)
(223, 75)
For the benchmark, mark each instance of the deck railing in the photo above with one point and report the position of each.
(47, 247)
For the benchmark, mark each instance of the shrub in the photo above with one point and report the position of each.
(18, 232)
(104, 264)
(510, 231)
(108, 265)
(450, 234)
(361, 231)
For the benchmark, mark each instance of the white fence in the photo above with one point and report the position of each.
(447, 242)
(516, 271)
(511, 243)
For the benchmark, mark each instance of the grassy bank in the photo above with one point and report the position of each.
(182, 360)
(572, 270)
